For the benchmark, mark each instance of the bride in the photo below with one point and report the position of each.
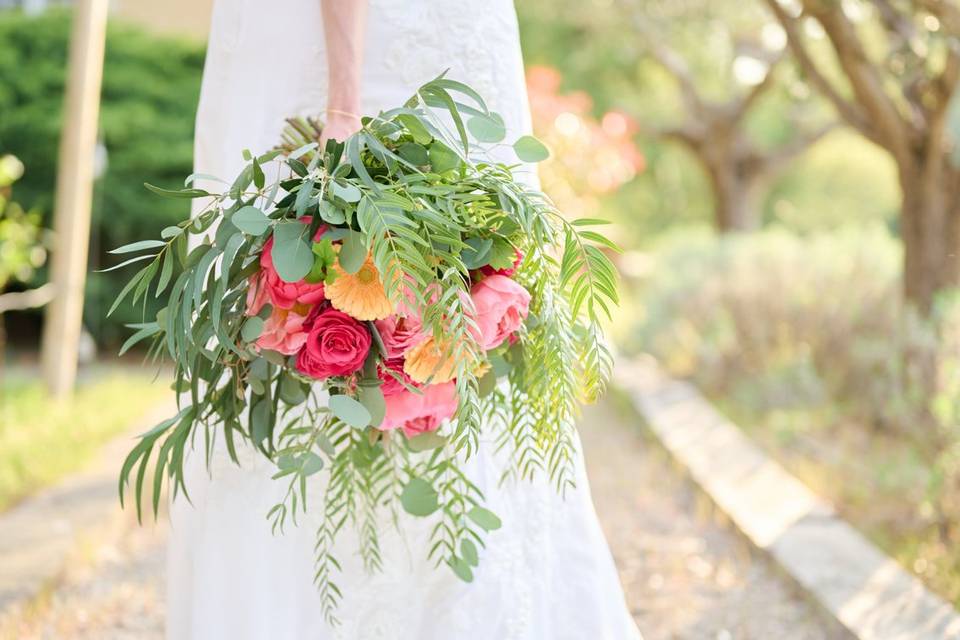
(547, 574)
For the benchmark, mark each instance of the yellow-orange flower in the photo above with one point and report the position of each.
(361, 294)
(426, 362)
(482, 369)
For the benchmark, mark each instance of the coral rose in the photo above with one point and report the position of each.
(392, 379)
(282, 294)
(337, 345)
(417, 413)
(501, 306)
(285, 330)
(400, 333)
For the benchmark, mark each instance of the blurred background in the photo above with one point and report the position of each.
(783, 176)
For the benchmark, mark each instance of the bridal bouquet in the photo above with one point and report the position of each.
(367, 314)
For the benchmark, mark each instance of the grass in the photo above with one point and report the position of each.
(878, 481)
(42, 440)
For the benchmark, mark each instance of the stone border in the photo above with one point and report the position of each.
(867, 592)
(38, 536)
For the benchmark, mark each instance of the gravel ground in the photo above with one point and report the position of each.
(685, 576)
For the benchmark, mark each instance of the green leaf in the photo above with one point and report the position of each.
(350, 411)
(419, 498)
(353, 252)
(475, 254)
(426, 441)
(529, 149)
(416, 128)
(346, 192)
(468, 551)
(371, 397)
(331, 214)
(178, 193)
(292, 255)
(250, 220)
(292, 391)
(485, 518)
(487, 128)
(139, 246)
(442, 157)
(260, 421)
(414, 153)
(310, 463)
(252, 329)
(461, 569)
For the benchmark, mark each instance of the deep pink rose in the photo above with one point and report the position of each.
(417, 413)
(400, 333)
(501, 306)
(487, 270)
(391, 385)
(284, 331)
(337, 345)
(284, 294)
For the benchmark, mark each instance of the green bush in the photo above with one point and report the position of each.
(150, 91)
(805, 342)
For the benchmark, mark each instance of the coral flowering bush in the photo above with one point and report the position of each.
(372, 312)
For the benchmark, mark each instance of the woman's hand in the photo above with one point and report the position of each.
(339, 126)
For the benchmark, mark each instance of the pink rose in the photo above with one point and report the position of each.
(391, 384)
(284, 294)
(501, 306)
(417, 413)
(284, 331)
(337, 345)
(400, 333)
(487, 270)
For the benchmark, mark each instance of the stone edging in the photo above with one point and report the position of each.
(38, 535)
(867, 592)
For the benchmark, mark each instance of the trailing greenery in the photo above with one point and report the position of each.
(415, 192)
(150, 89)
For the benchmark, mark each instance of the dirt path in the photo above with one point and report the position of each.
(684, 576)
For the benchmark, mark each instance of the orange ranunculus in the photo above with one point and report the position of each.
(426, 361)
(360, 295)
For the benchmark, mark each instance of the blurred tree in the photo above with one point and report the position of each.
(22, 249)
(737, 166)
(893, 75)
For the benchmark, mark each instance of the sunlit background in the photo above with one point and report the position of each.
(763, 234)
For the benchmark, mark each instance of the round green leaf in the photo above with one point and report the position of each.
(331, 214)
(371, 397)
(462, 569)
(310, 463)
(529, 149)
(468, 551)
(251, 329)
(291, 253)
(350, 411)
(485, 518)
(346, 192)
(353, 253)
(250, 220)
(414, 153)
(419, 498)
(426, 441)
(487, 128)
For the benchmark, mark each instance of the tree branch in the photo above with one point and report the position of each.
(745, 103)
(892, 129)
(847, 110)
(29, 299)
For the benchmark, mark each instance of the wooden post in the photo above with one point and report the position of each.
(61, 332)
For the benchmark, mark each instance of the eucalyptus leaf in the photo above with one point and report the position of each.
(251, 220)
(419, 498)
(487, 128)
(485, 518)
(251, 329)
(291, 253)
(350, 411)
(371, 397)
(353, 253)
(529, 149)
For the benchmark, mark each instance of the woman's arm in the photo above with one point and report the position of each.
(344, 28)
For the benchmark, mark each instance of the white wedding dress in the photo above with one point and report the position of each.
(547, 574)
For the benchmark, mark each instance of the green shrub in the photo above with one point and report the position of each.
(150, 90)
(805, 342)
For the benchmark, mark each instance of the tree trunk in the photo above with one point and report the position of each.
(931, 231)
(734, 201)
